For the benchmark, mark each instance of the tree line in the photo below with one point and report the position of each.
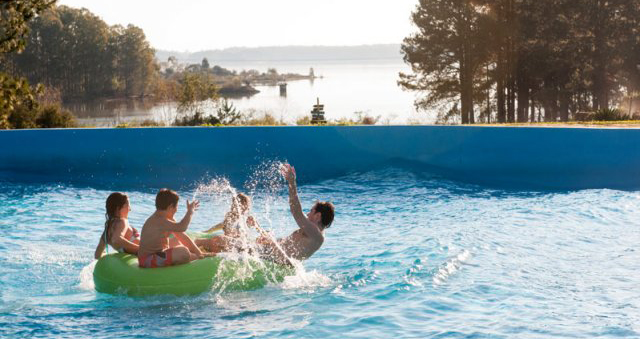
(523, 60)
(21, 105)
(75, 52)
(71, 54)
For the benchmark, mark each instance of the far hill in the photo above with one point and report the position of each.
(288, 53)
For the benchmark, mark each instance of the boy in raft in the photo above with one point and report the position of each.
(155, 248)
(305, 241)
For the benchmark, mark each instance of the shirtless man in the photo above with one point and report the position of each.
(305, 241)
(155, 248)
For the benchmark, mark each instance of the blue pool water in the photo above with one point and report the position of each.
(407, 257)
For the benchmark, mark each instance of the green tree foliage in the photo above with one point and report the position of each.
(446, 53)
(195, 90)
(134, 60)
(52, 116)
(14, 16)
(199, 103)
(523, 60)
(227, 114)
(17, 97)
(78, 53)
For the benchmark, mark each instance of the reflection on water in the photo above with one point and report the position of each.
(111, 112)
(111, 108)
(346, 87)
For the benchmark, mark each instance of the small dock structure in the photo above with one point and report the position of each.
(317, 114)
(283, 89)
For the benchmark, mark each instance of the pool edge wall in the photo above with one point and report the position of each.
(506, 157)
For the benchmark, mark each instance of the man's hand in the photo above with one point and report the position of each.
(289, 172)
(193, 206)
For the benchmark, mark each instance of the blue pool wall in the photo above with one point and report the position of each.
(505, 157)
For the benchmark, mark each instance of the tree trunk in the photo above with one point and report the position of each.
(523, 97)
(502, 113)
(533, 108)
(511, 63)
(511, 96)
(600, 87)
(469, 88)
(500, 68)
(551, 107)
(466, 97)
(462, 74)
(564, 106)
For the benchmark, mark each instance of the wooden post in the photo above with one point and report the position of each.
(317, 114)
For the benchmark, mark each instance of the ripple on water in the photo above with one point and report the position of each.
(408, 256)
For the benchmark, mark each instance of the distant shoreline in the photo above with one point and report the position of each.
(288, 54)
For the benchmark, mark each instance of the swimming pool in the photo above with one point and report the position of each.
(522, 158)
(409, 255)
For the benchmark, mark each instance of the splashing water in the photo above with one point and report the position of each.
(243, 261)
(305, 280)
(450, 267)
(86, 277)
(219, 187)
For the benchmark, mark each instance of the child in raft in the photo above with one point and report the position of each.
(117, 232)
(233, 236)
(155, 248)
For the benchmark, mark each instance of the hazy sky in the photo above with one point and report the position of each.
(213, 24)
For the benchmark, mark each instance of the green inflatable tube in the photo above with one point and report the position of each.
(119, 274)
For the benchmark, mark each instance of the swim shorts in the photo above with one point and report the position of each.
(159, 259)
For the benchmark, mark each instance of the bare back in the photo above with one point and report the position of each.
(154, 236)
(299, 246)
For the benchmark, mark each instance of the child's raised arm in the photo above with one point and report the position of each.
(182, 226)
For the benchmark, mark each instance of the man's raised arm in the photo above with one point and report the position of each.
(294, 204)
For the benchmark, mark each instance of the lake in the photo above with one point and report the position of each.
(346, 87)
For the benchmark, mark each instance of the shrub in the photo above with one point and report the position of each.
(150, 123)
(609, 114)
(24, 111)
(224, 114)
(303, 121)
(18, 104)
(369, 120)
(53, 116)
(227, 114)
(265, 120)
(195, 91)
(343, 122)
(197, 119)
(363, 118)
(22, 117)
